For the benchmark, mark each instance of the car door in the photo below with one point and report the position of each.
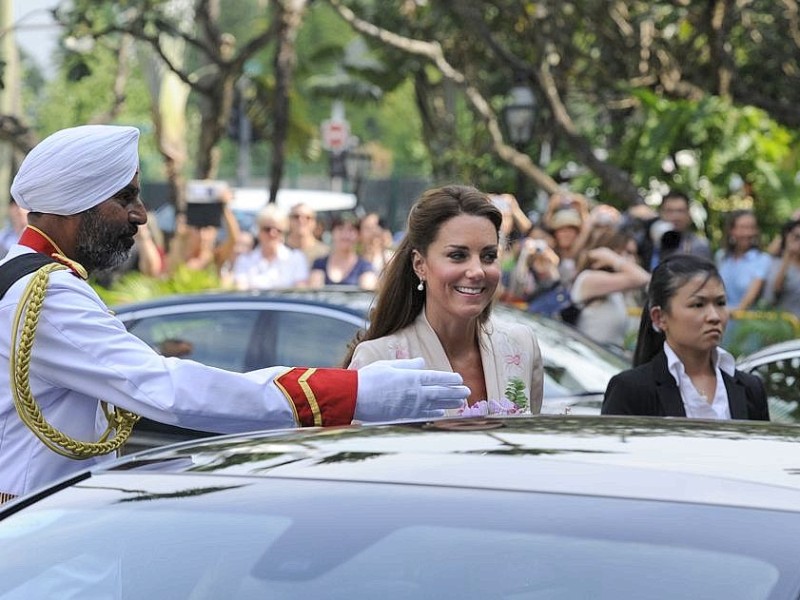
(239, 335)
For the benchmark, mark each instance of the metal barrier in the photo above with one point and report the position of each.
(768, 315)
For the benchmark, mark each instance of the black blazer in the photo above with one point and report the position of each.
(650, 390)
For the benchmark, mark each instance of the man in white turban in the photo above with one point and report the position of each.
(81, 186)
(65, 183)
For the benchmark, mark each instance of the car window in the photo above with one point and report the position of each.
(244, 340)
(781, 380)
(216, 338)
(307, 339)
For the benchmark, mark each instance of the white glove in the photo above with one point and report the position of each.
(399, 389)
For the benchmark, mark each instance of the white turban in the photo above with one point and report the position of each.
(78, 168)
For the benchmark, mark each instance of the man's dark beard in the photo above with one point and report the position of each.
(100, 246)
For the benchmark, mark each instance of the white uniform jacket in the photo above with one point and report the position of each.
(508, 351)
(82, 354)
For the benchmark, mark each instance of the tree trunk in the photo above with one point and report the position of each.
(434, 104)
(290, 17)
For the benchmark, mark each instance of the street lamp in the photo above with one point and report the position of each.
(519, 114)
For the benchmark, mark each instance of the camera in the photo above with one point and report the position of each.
(539, 246)
(659, 239)
(664, 236)
(535, 246)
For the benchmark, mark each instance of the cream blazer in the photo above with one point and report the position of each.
(508, 350)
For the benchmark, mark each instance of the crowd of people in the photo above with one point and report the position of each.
(599, 260)
(293, 249)
(432, 347)
(587, 264)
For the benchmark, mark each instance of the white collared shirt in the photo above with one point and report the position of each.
(254, 271)
(695, 405)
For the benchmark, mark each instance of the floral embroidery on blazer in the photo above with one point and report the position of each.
(509, 351)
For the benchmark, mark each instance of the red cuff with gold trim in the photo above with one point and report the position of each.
(320, 396)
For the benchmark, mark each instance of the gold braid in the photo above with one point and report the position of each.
(121, 421)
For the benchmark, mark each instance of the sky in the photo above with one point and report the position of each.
(35, 31)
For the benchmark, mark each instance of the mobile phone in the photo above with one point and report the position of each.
(204, 203)
(204, 214)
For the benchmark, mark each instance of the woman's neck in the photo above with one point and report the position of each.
(343, 254)
(301, 240)
(695, 362)
(456, 336)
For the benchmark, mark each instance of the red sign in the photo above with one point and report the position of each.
(335, 135)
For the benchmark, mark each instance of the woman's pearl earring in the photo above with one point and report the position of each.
(421, 285)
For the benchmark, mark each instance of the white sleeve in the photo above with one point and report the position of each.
(81, 348)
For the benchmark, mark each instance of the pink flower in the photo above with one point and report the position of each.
(479, 409)
(503, 406)
(490, 407)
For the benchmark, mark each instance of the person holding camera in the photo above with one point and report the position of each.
(672, 232)
(567, 219)
(196, 244)
(536, 269)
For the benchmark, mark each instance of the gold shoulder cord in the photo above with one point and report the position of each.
(121, 421)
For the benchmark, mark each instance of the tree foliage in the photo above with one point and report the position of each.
(625, 88)
(622, 86)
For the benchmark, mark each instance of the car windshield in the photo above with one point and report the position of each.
(303, 539)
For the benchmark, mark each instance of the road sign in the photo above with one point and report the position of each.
(335, 135)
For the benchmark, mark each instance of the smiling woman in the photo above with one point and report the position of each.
(435, 299)
(681, 371)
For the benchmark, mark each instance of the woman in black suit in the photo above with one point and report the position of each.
(679, 368)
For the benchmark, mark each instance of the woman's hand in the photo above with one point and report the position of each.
(605, 258)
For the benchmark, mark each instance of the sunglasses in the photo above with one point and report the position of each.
(270, 229)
